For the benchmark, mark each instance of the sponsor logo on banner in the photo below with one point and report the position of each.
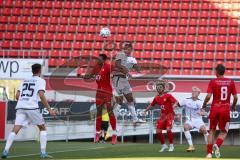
(84, 110)
(17, 68)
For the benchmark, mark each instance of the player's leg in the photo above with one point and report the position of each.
(131, 107)
(118, 101)
(21, 120)
(10, 140)
(203, 130)
(223, 126)
(99, 107)
(112, 119)
(161, 124)
(187, 128)
(213, 120)
(169, 123)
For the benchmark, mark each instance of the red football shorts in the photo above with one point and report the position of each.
(165, 121)
(103, 98)
(220, 116)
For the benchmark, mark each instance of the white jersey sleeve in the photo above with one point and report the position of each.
(41, 85)
(183, 103)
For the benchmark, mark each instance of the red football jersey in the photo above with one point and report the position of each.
(165, 102)
(103, 77)
(221, 88)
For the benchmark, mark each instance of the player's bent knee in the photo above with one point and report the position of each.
(186, 127)
(42, 127)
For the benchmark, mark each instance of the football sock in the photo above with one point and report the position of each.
(170, 136)
(161, 138)
(43, 141)
(219, 142)
(132, 110)
(206, 138)
(98, 124)
(209, 148)
(112, 121)
(116, 109)
(188, 137)
(10, 141)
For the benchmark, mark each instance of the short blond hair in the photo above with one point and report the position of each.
(195, 88)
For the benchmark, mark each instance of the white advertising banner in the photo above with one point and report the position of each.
(17, 68)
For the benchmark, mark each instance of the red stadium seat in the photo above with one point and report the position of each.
(29, 36)
(36, 45)
(16, 45)
(63, 62)
(148, 46)
(5, 44)
(196, 72)
(138, 46)
(197, 64)
(52, 62)
(186, 72)
(175, 72)
(47, 45)
(67, 45)
(59, 37)
(220, 56)
(209, 55)
(188, 55)
(199, 55)
(208, 64)
(49, 36)
(187, 64)
(178, 55)
(77, 45)
(231, 56)
(207, 72)
(229, 64)
(176, 64)
(229, 72)
(137, 55)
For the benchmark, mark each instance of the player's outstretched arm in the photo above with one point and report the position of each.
(206, 100)
(137, 68)
(234, 105)
(45, 103)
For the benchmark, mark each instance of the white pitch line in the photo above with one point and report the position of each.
(73, 150)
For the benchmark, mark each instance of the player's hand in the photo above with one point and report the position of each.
(52, 112)
(202, 112)
(144, 113)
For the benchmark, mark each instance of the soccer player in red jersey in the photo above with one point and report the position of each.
(101, 71)
(221, 88)
(167, 104)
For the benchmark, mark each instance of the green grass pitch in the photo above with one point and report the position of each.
(87, 150)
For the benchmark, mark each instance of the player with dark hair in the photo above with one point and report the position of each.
(28, 110)
(101, 72)
(123, 65)
(167, 103)
(221, 88)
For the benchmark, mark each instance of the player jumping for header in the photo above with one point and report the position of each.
(221, 88)
(123, 64)
(101, 72)
(167, 103)
(192, 108)
(28, 110)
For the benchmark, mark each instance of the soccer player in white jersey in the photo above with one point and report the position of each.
(194, 115)
(28, 110)
(124, 63)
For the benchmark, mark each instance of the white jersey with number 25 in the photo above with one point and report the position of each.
(29, 89)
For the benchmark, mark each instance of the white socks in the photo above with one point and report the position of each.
(43, 141)
(10, 140)
(188, 137)
(116, 109)
(132, 110)
(206, 138)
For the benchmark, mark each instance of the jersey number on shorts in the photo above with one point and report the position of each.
(224, 93)
(28, 87)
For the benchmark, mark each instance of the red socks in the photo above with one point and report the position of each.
(219, 142)
(170, 136)
(161, 138)
(209, 148)
(98, 124)
(112, 121)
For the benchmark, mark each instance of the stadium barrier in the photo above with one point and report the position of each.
(80, 124)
